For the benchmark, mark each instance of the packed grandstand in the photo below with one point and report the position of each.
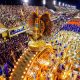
(16, 56)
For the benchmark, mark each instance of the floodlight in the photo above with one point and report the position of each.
(59, 3)
(44, 2)
(26, 1)
(54, 2)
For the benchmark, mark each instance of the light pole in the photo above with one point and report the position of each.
(44, 2)
(59, 3)
(54, 2)
(25, 2)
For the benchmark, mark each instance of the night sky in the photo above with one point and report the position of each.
(39, 2)
(11, 2)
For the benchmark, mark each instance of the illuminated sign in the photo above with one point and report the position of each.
(18, 30)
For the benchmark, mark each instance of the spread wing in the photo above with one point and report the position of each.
(48, 24)
(32, 19)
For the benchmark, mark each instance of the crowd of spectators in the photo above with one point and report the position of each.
(13, 16)
(12, 47)
(11, 50)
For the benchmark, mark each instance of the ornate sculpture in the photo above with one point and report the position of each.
(40, 25)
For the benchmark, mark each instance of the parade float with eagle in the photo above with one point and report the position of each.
(40, 25)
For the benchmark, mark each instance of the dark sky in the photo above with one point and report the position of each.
(39, 2)
(11, 2)
(35, 2)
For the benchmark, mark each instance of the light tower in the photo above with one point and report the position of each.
(25, 2)
(63, 4)
(59, 3)
(54, 2)
(44, 2)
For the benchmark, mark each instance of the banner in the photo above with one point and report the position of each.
(18, 30)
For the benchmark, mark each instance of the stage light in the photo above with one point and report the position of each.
(63, 4)
(59, 3)
(26, 1)
(44, 2)
(54, 2)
